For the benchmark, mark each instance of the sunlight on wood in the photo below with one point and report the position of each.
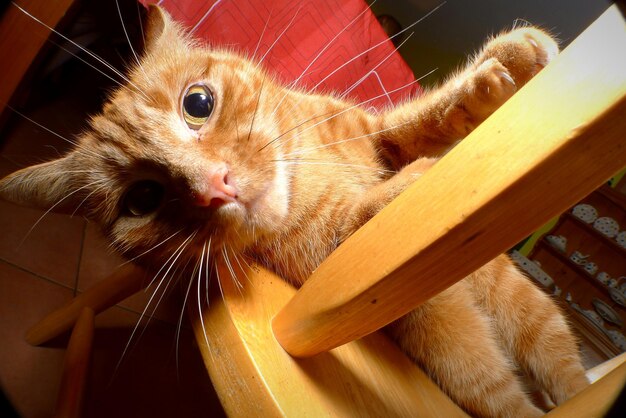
(254, 376)
(554, 142)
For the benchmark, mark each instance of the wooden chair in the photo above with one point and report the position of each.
(21, 39)
(554, 142)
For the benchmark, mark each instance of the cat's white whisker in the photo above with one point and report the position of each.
(258, 44)
(143, 37)
(377, 45)
(151, 248)
(154, 293)
(208, 12)
(88, 52)
(365, 76)
(279, 36)
(347, 109)
(219, 282)
(333, 115)
(172, 278)
(326, 163)
(200, 312)
(75, 55)
(241, 267)
(82, 202)
(292, 129)
(256, 106)
(197, 268)
(329, 43)
(76, 145)
(307, 150)
(177, 254)
(233, 275)
(207, 273)
(55, 205)
(119, 12)
(314, 60)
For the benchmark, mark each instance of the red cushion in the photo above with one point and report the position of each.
(293, 33)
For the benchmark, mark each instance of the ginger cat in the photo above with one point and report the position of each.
(204, 151)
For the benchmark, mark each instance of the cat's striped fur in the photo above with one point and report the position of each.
(308, 170)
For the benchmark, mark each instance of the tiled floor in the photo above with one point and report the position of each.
(44, 262)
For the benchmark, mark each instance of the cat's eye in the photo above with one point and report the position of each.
(197, 106)
(143, 197)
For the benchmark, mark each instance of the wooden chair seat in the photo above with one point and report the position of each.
(554, 142)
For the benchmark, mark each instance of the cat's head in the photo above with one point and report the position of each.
(179, 151)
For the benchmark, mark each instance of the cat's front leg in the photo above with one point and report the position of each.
(430, 125)
(380, 195)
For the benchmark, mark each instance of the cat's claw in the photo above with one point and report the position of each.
(486, 89)
(493, 85)
(506, 63)
(523, 51)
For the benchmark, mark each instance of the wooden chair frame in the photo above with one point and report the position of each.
(554, 142)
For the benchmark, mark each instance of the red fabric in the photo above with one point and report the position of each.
(336, 30)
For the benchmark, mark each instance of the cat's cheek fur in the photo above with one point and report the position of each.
(272, 206)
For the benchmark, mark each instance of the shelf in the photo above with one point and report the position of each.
(590, 229)
(590, 331)
(578, 269)
(614, 196)
(572, 277)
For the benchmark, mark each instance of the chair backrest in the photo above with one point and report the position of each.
(555, 141)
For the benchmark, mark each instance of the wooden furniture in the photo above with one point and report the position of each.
(548, 147)
(76, 367)
(584, 286)
(22, 37)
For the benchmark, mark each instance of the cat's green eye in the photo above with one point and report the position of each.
(197, 105)
(143, 197)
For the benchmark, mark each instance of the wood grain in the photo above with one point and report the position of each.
(555, 141)
(596, 399)
(254, 376)
(598, 372)
(125, 282)
(76, 367)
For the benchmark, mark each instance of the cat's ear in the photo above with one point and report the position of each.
(161, 29)
(48, 186)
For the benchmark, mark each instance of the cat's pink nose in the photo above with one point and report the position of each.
(218, 189)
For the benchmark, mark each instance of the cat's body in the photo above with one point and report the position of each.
(283, 177)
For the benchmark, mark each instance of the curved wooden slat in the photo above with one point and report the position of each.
(550, 145)
(125, 282)
(254, 376)
(76, 367)
(597, 399)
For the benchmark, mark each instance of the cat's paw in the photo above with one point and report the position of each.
(505, 64)
(489, 87)
(523, 51)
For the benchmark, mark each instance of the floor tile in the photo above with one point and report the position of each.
(99, 261)
(153, 378)
(48, 248)
(29, 375)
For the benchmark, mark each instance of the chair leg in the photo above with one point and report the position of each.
(76, 367)
(597, 399)
(125, 282)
